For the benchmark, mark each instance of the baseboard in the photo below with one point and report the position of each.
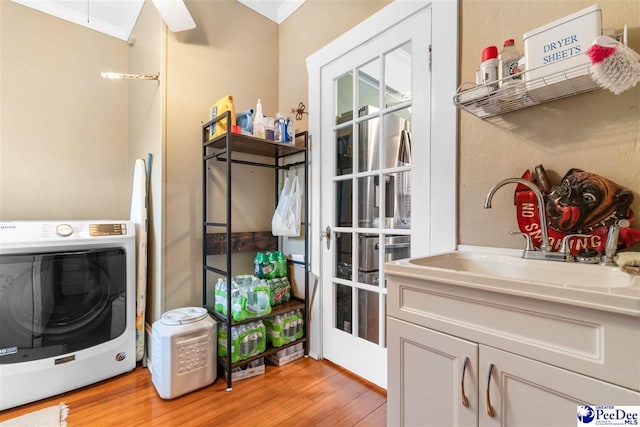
(147, 346)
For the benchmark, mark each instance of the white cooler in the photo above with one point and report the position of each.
(183, 351)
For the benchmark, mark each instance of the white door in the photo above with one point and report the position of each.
(367, 185)
(383, 163)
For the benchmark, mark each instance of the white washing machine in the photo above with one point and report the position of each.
(183, 351)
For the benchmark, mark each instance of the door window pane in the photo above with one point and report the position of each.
(369, 84)
(344, 263)
(396, 247)
(398, 200)
(368, 315)
(369, 145)
(368, 258)
(344, 216)
(344, 95)
(397, 74)
(369, 247)
(344, 151)
(397, 138)
(368, 201)
(344, 307)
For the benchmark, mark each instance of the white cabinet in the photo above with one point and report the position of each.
(523, 392)
(425, 385)
(435, 330)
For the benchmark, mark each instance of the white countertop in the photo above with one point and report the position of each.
(504, 271)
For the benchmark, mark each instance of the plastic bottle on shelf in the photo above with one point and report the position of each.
(243, 336)
(277, 128)
(508, 65)
(235, 345)
(300, 332)
(290, 136)
(274, 331)
(489, 67)
(281, 264)
(220, 295)
(292, 321)
(258, 121)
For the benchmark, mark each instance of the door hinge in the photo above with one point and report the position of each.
(430, 57)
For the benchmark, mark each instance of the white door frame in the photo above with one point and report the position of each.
(441, 210)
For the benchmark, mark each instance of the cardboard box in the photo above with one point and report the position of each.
(553, 49)
(252, 369)
(283, 360)
(295, 266)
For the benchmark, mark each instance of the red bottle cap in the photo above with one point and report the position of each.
(509, 42)
(489, 52)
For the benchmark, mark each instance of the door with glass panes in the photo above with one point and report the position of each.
(368, 185)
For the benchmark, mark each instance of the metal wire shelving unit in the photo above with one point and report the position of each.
(276, 156)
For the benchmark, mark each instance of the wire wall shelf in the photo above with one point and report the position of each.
(487, 100)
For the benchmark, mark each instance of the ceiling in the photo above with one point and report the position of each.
(118, 17)
(276, 10)
(115, 18)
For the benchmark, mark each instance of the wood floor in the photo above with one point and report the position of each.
(306, 392)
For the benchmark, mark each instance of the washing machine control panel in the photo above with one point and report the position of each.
(64, 230)
(107, 229)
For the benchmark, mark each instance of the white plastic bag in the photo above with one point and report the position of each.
(286, 218)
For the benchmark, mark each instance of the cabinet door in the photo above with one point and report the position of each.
(425, 377)
(524, 392)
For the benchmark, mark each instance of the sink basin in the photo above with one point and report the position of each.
(547, 272)
(587, 285)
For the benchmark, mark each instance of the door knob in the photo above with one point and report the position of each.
(326, 234)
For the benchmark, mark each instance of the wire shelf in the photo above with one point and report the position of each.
(488, 100)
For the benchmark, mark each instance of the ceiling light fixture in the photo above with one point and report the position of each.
(116, 76)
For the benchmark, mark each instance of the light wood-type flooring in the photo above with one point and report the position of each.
(305, 392)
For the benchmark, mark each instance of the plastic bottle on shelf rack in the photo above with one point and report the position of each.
(290, 137)
(274, 330)
(258, 121)
(489, 67)
(277, 128)
(508, 65)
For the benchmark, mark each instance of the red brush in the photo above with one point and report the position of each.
(614, 66)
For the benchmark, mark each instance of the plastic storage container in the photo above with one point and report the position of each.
(221, 106)
(559, 47)
(183, 348)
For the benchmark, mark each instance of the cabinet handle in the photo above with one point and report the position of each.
(463, 396)
(490, 410)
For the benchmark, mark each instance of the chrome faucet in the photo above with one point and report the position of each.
(611, 246)
(530, 251)
(544, 246)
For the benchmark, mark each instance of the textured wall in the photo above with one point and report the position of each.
(146, 135)
(315, 24)
(233, 51)
(64, 136)
(597, 131)
(312, 26)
